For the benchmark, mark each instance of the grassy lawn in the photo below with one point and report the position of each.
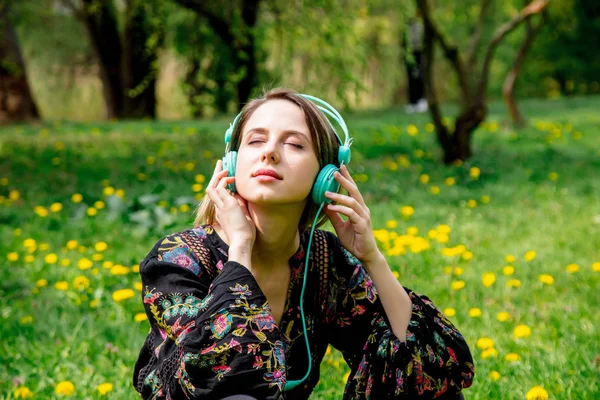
(510, 239)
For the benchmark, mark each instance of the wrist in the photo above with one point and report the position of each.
(241, 252)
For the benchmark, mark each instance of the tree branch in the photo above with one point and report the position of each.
(535, 7)
(219, 25)
(476, 36)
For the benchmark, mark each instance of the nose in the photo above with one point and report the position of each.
(270, 153)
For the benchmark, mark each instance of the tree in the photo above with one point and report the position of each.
(473, 84)
(234, 23)
(128, 61)
(16, 100)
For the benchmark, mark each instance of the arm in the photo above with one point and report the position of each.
(207, 338)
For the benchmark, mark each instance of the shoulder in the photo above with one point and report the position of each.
(189, 248)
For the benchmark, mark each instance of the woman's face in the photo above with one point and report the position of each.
(276, 138)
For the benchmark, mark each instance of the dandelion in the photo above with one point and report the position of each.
(450, 181)
(100, 246)
(139, 317)
(572, 268)
(104, 388)
(553, 176)
(65, 262)
(546, 279)
(84, 263)
(29, 258)
(448, 270)
(513, 283)
(23, 392)
(424, 179)
(65, 388)
(51, 258)
(99, 204)
(184, 208)
(537, 393)
(61, 285)
(108, 191)
(596, 267)
(508, 270)
(26, 320)
(40, 211)
(412, 230)
(200, 178)
(467, 255)
(81, 282)
(475, 312)
(488, 279)
(13, 195)
(521, 331)
(72, 244)
(485, 199)
(120, 193)
(122, 294)
(91, 211)
(407, 211)
(119, 270)
(457, 285)
(41, 283)
(12, 256)
(435, 190)
(487, 353)
(56, 207)
(485, 343)
(471, 203)
(391, 224)
(412, 130)
(512, 357)
(530, 255)
(76, 198)
(503, 316)
(458, 271)
(449, 312)
(494, 375)
(442, 238)
(474, 172)
(44, 246)
(443, 229)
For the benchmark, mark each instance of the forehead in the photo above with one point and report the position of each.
(277, 115)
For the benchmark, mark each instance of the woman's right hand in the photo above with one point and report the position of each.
(231, 210)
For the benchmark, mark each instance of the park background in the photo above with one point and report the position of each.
(113, 114)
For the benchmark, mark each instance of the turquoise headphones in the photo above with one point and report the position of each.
(325, 182)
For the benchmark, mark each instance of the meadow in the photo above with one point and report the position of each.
(507, 244)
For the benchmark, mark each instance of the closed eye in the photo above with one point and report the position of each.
(298, 146)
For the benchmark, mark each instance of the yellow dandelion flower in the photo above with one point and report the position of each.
(26, 320)
(547, 279)
(29, 259)
(56, 207)
(412, 130)
(448, 270)
(471, 203)
(184, 208)
(513, 283)
(51, 258)
(512, 357)
(122, 294)
(65, 262)
(108, 191)
(84, 263)
(44, 246)
(521, 331)
(450, 181)
(41, 211)
(65, 388)
(41, 283)
(13, 195)
(23, 392)
(457, 285)
(412, 231)
(200, 178)
(485, 343)
(407, 211)
(530, 255)
(150, 160)
(488, 279)
(81, 282)
(485, 199)
(97, 257)
(139, 317)
(120, 193)
(508, 270)
(196, 187)
(100, 246)
(429, 127)
(424, 179)
(494, 376)
(138, 286)
(396, 274)
(91, 211)
(94, 303)
(107, 264)
(76, 198)
(474, 172)
(435, 190)
(442, 238)
(475, 312)
(99, 204)
(503, 316)
(119, 270)
(537, 393)
(432, 234)
(72, 244)
(104, 388)
(572, 268)
(553, 176)
(449, 312)
(61, 285)
(443, 229)
(391, 224)
(467, 255)
(458, 271)
(12, 256)
(487, 353)
(596, 267)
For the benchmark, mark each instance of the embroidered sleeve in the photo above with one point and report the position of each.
(207, 339)
(434, 360)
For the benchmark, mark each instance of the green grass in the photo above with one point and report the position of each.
(543, 189)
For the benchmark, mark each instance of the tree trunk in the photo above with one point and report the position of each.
(101, 22)
(459, 145)
(246, 54)
(139, 70)
(16, 100)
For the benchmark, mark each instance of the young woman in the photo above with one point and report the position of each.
(247, 302)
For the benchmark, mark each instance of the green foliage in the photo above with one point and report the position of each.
(536, 189)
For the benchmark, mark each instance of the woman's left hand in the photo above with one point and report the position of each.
(355, 234)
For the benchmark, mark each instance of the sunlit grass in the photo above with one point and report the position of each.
(505, 244)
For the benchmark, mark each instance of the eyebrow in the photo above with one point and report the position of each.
(287, 132)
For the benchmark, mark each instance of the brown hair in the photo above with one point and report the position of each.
(323, 137)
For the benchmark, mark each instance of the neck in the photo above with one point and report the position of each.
(277, 235)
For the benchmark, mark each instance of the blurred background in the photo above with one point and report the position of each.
(476, 130)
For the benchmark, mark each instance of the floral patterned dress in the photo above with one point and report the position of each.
(213, 335)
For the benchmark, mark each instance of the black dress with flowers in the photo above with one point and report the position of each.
(213, 335)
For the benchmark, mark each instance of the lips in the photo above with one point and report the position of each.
(268, 172)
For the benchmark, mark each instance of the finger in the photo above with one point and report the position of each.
(349, 202)
(336, 220)
(217, 178)
(348, 212)
(348, 183)
(223, 193)
(214, 179)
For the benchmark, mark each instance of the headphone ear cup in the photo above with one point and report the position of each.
(229, 163)
(325, 183)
